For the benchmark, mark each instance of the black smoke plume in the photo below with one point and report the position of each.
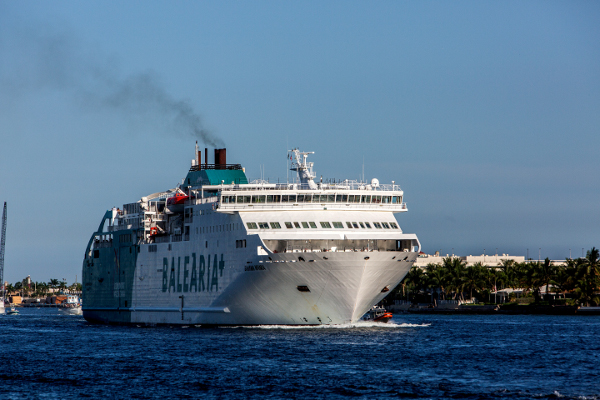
(45, 59)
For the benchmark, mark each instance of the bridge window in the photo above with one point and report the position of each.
(337, 224)
(305, 225)
(275, 225)
(394, 225)
(355, 225)
(258, 198)
(385, 225)
(273, 198)
(362, 225)
(297, 225)
(312, 225)
(386, 199)
(367, 224)
(288, 225)
(376, 199)
(376, 224)
(325, 224)
(251, 225)
(263, 225)
(349, 224)
(243, 199)
(366, 199)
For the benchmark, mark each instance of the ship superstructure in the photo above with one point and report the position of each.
(219, 250)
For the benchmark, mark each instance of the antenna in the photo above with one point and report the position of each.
(363, 171)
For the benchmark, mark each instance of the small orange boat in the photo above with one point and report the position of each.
(377, 314)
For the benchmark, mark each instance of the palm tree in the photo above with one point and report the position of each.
(472, 278)
(436, 276)
(456, 271)
(53, 283)
(415, 279)
(589, 278)
(544, 273)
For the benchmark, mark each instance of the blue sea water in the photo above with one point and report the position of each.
(45, 354)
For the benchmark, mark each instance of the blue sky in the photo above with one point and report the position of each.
(486, 113)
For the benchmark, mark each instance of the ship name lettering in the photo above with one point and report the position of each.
(193, 277)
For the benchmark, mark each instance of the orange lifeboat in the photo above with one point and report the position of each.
(179, 198)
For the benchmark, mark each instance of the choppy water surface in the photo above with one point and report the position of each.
(49, 355)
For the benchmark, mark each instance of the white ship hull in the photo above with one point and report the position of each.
(342, 288)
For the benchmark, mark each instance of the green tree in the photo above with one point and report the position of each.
(473, 278)
(544, 274)
(455, 268)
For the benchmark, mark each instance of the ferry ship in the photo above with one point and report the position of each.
(219, 250)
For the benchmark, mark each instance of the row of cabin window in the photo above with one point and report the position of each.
(326, 225)
(312, 198)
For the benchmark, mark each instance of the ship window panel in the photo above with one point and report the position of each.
(367, 225)
(349, 224)
(365, 199)
(355, 225)
(297, 225)
(312, 224)
(386, 200)
(339, 198)
(305, 225)
(284, 198)
(300, 198)
(362, 225)
(316, 198)
(251, 225)
(395, 200)
(337, 224)
(357, 199)
(307, 198)
(270, 198)
(325, 224)
(344, 198)
(289, 225)
(258, 199)
(385, 225)
(263, 225)
(275, 225)
(323, 198)
(331, 198)
(394, 225)
(376, 199)
(292, 198)
(376, 224)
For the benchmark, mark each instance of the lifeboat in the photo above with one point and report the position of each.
(178, 199)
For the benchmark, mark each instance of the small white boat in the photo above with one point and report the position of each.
(72, 306)
(12, 311)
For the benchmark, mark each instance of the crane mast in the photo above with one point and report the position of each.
(2, 244)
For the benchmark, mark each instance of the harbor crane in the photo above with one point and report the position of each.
(2, 245)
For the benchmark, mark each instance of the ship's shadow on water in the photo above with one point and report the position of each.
(52, 356)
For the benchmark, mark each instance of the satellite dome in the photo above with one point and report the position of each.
(375, 182)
